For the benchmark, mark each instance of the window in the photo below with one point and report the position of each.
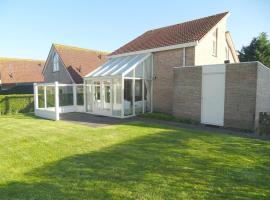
(97, 92)
(215, 39)
(107, 94)
(55, 63)
(138, 90)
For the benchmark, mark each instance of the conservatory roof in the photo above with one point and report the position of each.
(119, 65)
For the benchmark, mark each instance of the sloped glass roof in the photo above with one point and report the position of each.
(119, 65)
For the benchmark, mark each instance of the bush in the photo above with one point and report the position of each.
(16, 103)
(20, 89)
(167, 117)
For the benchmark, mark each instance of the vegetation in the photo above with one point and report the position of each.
(168, 117)
(42, 160)
(20, 89)
(19, 103)
(257, 50)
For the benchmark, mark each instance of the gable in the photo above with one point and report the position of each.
(62, 76)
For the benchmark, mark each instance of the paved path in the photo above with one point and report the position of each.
(92, 120)
(100, 121)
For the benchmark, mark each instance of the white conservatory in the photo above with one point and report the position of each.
(122, 87)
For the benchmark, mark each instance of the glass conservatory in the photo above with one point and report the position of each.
(122, 87)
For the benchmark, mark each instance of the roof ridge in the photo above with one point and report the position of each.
(192, 20)
(80, 48)
(20, 59)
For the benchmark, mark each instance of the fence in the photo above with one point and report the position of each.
(51, 99)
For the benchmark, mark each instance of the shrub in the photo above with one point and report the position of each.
(167, 117)
(16, 103)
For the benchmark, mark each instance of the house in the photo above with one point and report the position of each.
(20, 74)
(190, 70)
(197, 42)
(68, 64)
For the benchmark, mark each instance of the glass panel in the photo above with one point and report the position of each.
(41, 97)
(148, 68)
(138, 97)
(97, 90)
(89, 98)
(117, 97)
(107, 94)
(147, 95)
(80, 100)
(50, 90)
(128, 97)
(65, 95)
(139, 71)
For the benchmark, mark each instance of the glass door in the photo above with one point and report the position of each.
(96, 97)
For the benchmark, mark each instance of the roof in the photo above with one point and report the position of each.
(79, 61)
(15, 70)
(186, 32)
(119, 66)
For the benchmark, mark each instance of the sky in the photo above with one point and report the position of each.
(29, 27)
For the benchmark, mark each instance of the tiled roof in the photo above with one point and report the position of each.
(14, 70)
(186, 32)
(79, 61)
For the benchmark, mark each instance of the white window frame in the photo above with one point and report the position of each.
(55, 63)
(215, 41)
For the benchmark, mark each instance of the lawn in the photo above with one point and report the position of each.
(42, 159)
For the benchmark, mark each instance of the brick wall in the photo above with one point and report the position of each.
(240, 95)
(164, 62)
(187, 92)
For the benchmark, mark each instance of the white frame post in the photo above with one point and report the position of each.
(74, 89)
(56, 99)
(123, 97)
(84, 96)
(35, 96)
(133, 92)
(152, 83)
(45, 96)
(143, 102)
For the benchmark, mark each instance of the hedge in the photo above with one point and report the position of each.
(16, 103)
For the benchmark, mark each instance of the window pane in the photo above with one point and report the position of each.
(41, 97)
(117, 97)
(50, 96)
(65, 95)
(80, 97)
(128, 98)
(138, 96)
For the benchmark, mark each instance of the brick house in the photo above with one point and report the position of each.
(20, 74)
(201, 41)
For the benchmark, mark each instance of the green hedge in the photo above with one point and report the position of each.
(16, 103)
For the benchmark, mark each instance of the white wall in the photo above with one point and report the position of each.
(204, 49)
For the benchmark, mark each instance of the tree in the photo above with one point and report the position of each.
(257, 50)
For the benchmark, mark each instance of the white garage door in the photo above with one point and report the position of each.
(213, 94)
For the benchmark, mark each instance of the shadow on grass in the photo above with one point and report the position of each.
(168, 165)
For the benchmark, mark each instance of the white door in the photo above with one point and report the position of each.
(97, 97)
(213, 94)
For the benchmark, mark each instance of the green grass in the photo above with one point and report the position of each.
(42, 159)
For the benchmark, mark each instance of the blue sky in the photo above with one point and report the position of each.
(29, 27)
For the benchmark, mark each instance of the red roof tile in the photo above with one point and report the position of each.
(186, 32)
(14, 71)
(78, 61)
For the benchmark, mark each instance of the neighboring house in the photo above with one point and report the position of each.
(67, 64)
(197, 42)
(20, 73)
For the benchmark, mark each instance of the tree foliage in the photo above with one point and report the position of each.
(257, 50)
